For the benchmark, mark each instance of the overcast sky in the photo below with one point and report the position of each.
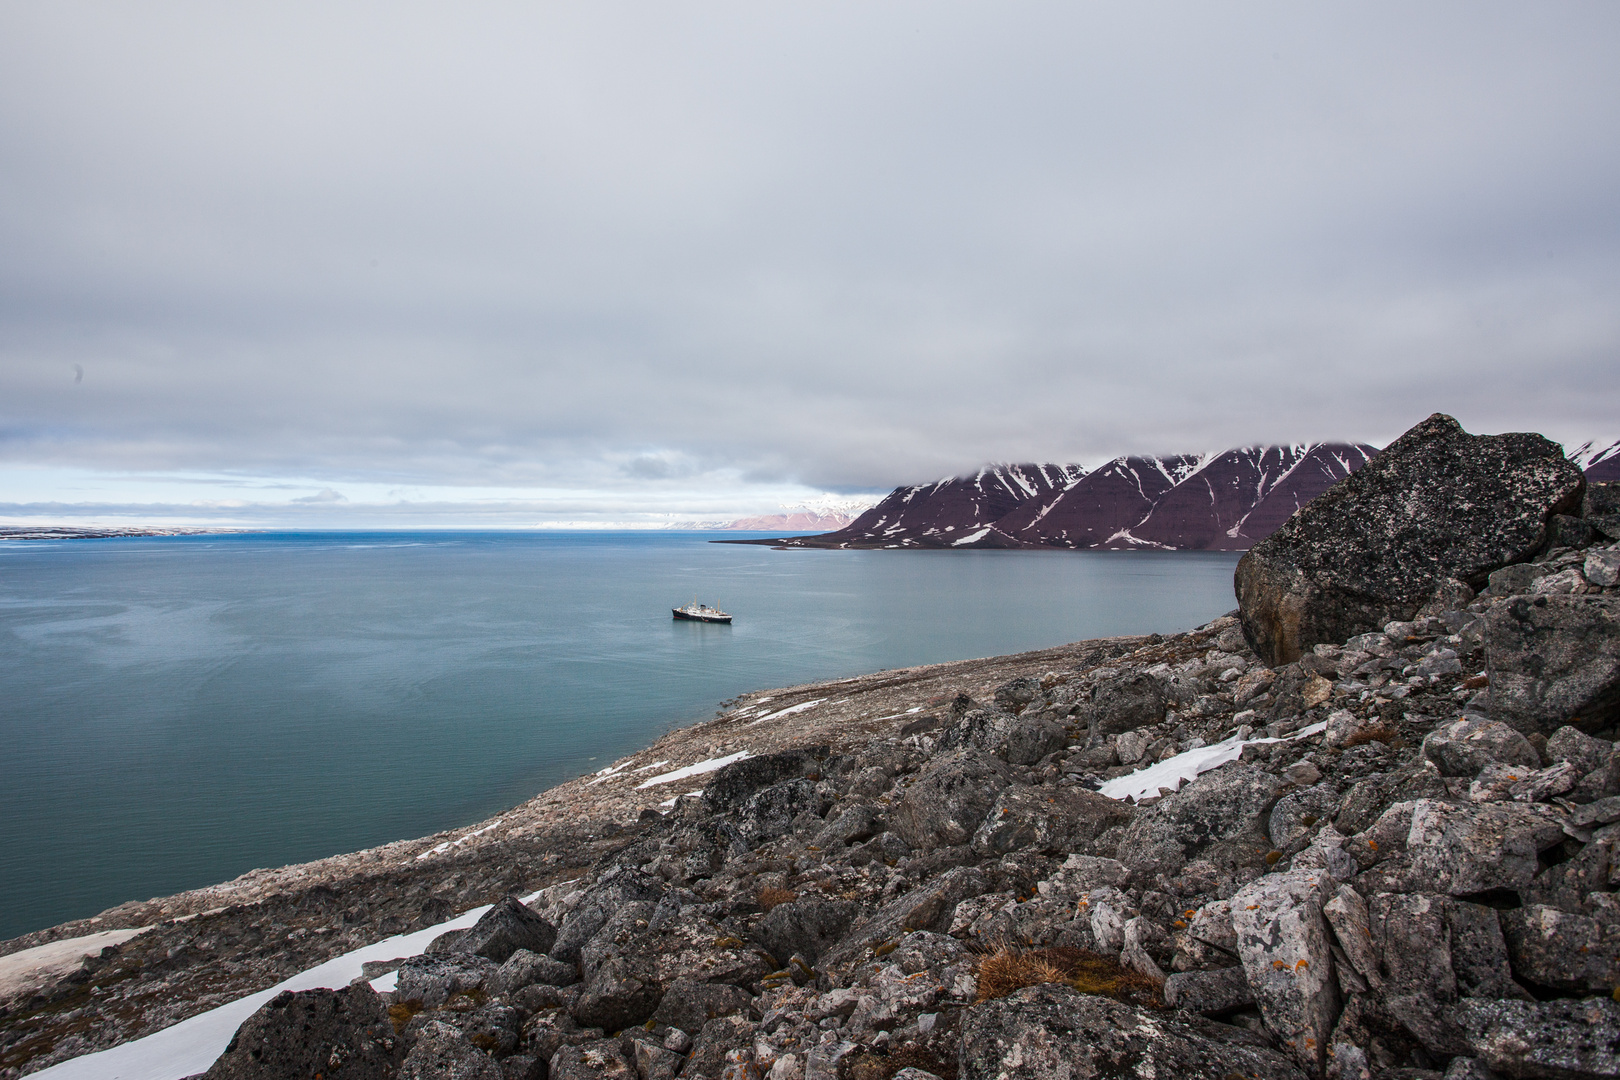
(490, 264)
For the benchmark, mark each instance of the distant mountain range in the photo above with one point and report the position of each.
(796, 519)
(1198, 502)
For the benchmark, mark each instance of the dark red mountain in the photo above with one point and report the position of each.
(1100, 506)
(1242, 495)
(1221, 502)
(959, 511)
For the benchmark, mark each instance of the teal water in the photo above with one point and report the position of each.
(176, 711)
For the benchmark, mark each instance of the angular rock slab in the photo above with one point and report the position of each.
(1282, 940)
(440, 1053)
(948, 801)
(1463, 747)
(1554, 660)
(1462, 850)
(1437, 503)
(1561, 950)
(1558, 1040)
(1045, 819)
(506, 928)
(1218, 817)
(1052, 1032)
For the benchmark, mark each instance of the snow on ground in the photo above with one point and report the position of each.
(789, 711)
(440, 849)
(28, 968)
(1173, 771)
(970, 537)
(673, 799)
(192, 1045)
(606, 774)
(699, 769)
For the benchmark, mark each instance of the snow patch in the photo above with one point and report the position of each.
(712, 765)
(191, 1046)
(789, 711)
(440, 849)
(971, 537)
(1172, 772)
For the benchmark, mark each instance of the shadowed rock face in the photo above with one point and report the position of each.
(1437, 504)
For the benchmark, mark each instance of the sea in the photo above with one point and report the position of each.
(175, 711)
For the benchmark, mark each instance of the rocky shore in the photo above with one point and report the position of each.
(1362, 828)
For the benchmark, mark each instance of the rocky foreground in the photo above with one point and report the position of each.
(1399, 860)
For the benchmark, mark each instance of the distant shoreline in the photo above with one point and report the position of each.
(65, 532)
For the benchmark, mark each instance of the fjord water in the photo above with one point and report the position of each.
(175, 711)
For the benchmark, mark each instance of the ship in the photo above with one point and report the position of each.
(696, 612)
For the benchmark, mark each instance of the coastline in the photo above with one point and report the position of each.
(206, 946)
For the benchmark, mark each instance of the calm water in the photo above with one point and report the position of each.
(176, 711)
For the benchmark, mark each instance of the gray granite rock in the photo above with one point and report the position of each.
(506, 928)
(1282, 939)
(1553, 1040)
(441, 1052)
(949, 799)
(1220, 817)
(1214, 992)
(1561, 950)
(1463, 747)
(1052, 1032)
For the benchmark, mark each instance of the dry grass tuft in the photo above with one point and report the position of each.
(771, 896)
(1371, 733)
(400, 1014)
(1007, 970)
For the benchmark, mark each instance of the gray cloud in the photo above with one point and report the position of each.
(619, 247)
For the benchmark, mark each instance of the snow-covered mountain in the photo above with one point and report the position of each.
(1236, 498)
(1101, 505)
(958, 511)
(1214, 502)
(1199, 502)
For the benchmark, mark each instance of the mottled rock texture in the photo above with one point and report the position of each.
(1437, 503)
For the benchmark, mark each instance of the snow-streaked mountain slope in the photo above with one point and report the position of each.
(1101, 504)
(950, 510)
(1242, 495)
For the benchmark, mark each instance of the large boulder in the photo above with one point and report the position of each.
(434, 979)
(949, 799)
(1219, 817)
(1438, 503)
(308, 1032)
(1554, 660)
(1052, 1032)
(599, 904)
(1462, 850)
(1561, 950)
(733, 784)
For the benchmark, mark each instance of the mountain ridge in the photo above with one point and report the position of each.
(1213, 501)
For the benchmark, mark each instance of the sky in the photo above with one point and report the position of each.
(491, 265)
